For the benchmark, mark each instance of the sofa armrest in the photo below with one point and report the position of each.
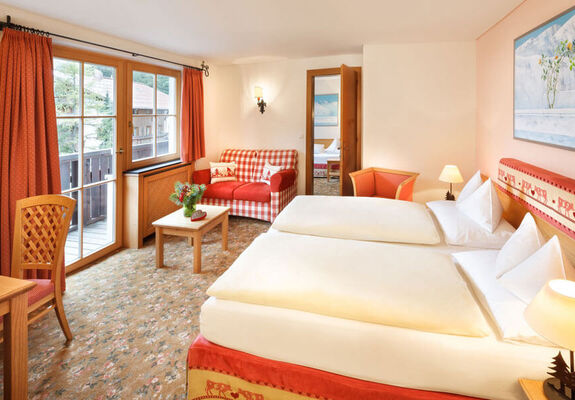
(201, 176)
(363, 183)
(282, 180)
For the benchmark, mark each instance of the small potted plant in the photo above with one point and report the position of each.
(187, 195)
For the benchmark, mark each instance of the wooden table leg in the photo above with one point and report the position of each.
(225, 232)
(190, 241)
(16, 349)
(159, 248)
(197, 252)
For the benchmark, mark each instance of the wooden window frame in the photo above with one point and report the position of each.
(157, 70)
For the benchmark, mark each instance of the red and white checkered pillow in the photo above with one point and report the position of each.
(285, 158)
(243, 160)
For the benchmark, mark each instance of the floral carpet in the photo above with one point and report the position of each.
(321, 186)
(132, 323)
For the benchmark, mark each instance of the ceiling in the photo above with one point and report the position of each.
(250, 30)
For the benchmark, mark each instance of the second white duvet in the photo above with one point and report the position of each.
(371, 282)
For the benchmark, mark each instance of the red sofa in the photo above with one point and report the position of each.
(247, 197)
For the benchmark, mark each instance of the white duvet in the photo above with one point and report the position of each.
(359, 218)
(371, 282)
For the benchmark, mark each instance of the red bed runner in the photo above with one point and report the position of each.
(313, 383)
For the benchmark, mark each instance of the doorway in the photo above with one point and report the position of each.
(333, 145)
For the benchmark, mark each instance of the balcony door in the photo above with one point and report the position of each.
(86, 94)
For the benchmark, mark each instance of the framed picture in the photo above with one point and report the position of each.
(326, 110)
(544, 83)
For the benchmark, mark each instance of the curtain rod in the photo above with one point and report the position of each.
(8, 24)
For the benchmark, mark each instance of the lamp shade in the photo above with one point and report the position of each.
(258, 92)
(552, 313)
(450, 174)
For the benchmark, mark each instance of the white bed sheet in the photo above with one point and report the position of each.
(321, 158)
(481, 367)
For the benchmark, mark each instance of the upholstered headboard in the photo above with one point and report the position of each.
(550, 197)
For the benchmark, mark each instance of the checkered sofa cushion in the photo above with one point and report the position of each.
(285, 158)
(244, 160)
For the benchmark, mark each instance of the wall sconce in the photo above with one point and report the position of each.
(259, 95)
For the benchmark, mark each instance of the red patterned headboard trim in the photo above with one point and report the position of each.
(545, 193)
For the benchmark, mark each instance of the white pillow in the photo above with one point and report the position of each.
(525, 241)
(506, 310)
(460, 230)
(318, 148)
(268, 171)
(471, 186)
(222, 172)
(483, 206)
(333, 147)
(527, 278)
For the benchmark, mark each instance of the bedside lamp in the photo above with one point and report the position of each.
(450, 174)
(552, 315)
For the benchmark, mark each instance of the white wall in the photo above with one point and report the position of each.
(233, 120)
(419, 110)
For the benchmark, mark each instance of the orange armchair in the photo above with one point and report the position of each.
(379, 182)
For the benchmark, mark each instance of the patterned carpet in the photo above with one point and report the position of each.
(322, 187)
(132, 323)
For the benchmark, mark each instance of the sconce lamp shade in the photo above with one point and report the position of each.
(552, 313)
(258, 92)
(450, 174)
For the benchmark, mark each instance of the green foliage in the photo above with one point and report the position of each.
(551, 68)
(186, 194)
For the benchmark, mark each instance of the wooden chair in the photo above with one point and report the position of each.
(379, 182)
(40, 230)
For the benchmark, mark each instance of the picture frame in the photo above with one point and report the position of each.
(326, 109)
(544, 83)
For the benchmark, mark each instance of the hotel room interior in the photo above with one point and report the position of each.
(287, 200)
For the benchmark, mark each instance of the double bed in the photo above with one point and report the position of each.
(287, 323)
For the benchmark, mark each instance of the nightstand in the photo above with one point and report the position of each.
(532, 389)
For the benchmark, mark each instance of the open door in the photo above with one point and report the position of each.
(349, 128)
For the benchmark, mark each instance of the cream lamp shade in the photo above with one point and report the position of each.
(450, 174)
(258, 92)
(552, 313)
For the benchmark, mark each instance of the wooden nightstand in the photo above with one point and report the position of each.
(532, 389)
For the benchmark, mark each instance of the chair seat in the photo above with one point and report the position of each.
(42, 289)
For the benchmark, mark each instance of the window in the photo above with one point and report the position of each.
(86, 111)
(154, 121)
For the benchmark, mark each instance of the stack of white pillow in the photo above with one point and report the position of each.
(474, 220)
(506, 281)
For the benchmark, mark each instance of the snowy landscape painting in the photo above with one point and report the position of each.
(544, 96)
(326, 109)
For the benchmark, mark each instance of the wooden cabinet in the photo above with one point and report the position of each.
(146, 192)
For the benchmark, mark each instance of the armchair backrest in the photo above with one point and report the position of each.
(379, 182)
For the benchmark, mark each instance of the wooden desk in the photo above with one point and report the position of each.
(178, 225)
(14, 308)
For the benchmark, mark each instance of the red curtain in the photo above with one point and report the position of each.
(29, 161)
(193, 144)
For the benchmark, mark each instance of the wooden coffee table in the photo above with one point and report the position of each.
(177, 225)
(330, 171)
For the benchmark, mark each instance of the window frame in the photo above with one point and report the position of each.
(156, 70)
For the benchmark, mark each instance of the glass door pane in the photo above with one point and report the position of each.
(86, 115)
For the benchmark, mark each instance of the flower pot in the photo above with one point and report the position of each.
(188, 211)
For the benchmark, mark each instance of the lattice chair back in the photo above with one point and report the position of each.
(40, 230)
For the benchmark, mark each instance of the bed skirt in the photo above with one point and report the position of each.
(216, 372)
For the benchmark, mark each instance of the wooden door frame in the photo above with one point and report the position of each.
(311, 74)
